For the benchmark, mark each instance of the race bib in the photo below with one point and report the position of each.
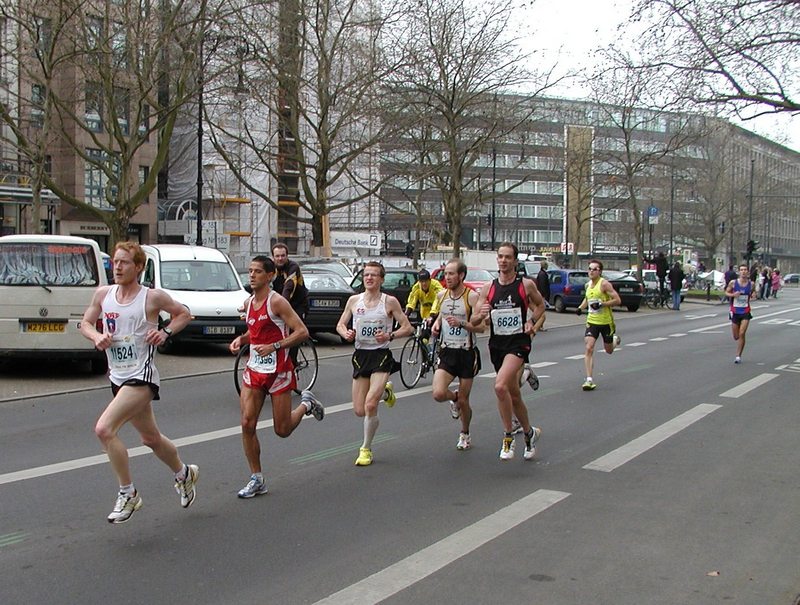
(263, 364)
(367, 329)
(598, 309)
(122, 354)
(741, 300)
(507, 321)
(454, 336)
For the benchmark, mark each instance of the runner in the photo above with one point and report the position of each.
(740, 291)
(458, 356)
(599, 297)
(272, 327)
(504, 303)
(129, 314)
(373, 314)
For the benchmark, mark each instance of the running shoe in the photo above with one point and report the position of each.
(617, 340)
(526, 372)
(737, 360)
(507, 449)
(530, 443)
(364, 456)
(516, 427)
(455, 410)
(589, 386)
(125, 506)
(388, 395)
(185, 488)
(254, 487)
(532, 378)
(314, 407)
(464, 441)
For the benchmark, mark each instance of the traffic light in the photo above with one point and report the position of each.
(488, 219)
(409, 249)
(752, 246)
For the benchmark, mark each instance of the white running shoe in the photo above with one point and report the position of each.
(737, 360)
(313, 406)
(254, 487)
(532, 378)
(507, 449)
(530, 444)
(516, 427)
(125, 506)
(185, 488)
(617, 341)
(464, 441)
(455, 410)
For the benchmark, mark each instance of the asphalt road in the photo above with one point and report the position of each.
(674, 482)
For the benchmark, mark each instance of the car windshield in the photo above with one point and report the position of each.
(478, 275)
(334, 267)
(198, 276)
(325, 281)
(47, 264)
(617, 275)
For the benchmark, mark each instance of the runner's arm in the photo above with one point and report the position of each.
(91, 315)
(341, 327)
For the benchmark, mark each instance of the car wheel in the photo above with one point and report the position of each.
(633, 308)
(558, 304)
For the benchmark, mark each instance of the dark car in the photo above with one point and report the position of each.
(327, 296)
(630, 289)
(398, 282)
(566, 287)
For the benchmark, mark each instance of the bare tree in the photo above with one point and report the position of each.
(642, 130)
(742, 54)
(454, 90)
(314, 72)
(104, 74)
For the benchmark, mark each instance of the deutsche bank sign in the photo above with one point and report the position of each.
(356, 239)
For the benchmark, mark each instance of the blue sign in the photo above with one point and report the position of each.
(652, 211)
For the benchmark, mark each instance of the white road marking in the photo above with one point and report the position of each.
(748, 386)
(418, 566)
(678, 335)
(658, 339)
(635, 344)
(575, 356)
(638, 446)
(755, 319)
(544, 364)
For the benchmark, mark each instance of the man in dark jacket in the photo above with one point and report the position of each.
(543, 283)
(676, 276)
(662, 267)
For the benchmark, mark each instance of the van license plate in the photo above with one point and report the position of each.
(219, 330)
(325, 303)
(45, 327)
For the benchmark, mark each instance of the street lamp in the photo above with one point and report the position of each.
(199, 209)
(494, 190)
(671, 210)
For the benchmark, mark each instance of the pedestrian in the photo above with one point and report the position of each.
(662, 267)
(272, 328)
(676, 277)
(289, 283)
(504, 304)
(599, 297)
(740, 291)
(373, 314)
(776, 282)
(766, 283)
(543, 285)
(129, 315)
(459, 356)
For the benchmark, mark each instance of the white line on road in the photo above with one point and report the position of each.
(635, 344)
(748, 386)
(758, 319)
(678, 335)
(638, 446)
(658, 339)
(575, 356)
(420, 565)
(544, 364)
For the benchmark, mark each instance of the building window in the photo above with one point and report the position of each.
(96, 180)
(44, 35)
(94, 108)
(37, 105)
(144, 124)
(122, 107)
(144, 173)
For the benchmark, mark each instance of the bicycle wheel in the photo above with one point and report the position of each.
(652, 300)
(307, 366)
(239, 366)
(668, 301)
(411, 363)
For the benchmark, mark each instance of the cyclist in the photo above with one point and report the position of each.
(289, 282)
(459, 356)
(272, 326)
(423, 295)
(600, 297)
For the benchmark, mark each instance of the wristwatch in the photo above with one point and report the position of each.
(276, 345)
(167, 331)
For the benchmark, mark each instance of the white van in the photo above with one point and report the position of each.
(46, 284)
(204, 281)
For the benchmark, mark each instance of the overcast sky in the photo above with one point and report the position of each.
(569, 30)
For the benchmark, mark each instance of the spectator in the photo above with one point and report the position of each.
(543, 284)
(776, 282)
(662, 267)
(676, 277)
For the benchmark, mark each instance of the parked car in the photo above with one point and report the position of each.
(327, 296)
(650, 280)
(476, 277)
(204, 281)
(327, 264)
(398, 282)
(630, 289)
(791, 278)
(566, 287)
(529, 268)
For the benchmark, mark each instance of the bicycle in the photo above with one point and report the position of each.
(417, 359)
(306, 368)
(655, 298)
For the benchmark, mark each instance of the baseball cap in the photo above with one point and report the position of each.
(424, 274)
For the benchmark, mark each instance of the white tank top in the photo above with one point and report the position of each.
(129, 356)
(455, 337)
(367, 323)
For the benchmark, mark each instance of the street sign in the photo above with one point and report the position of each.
(652, 211)
(356, 239)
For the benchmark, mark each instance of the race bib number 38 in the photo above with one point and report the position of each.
(507, 321)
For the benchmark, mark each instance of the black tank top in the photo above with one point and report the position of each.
(510, 299)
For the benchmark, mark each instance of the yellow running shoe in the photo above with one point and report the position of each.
(388, 395)
(364, 456)
(589, 386)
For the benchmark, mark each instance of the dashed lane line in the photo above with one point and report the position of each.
(746, 387)
(419, 565)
